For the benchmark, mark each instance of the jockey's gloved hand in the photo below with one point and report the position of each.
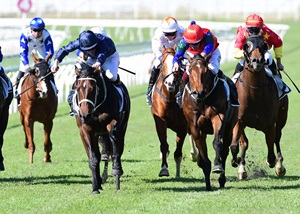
(55, 66)
(97, 66)
(175, 66)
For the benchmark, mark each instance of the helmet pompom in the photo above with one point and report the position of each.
(193, 22)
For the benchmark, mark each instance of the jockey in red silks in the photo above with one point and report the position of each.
(197, 40)
(255, 26)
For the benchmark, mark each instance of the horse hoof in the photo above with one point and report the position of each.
(242, 175)
(234, 164)
(280, 172)
(164, 172)
(218, 169)
(96, 192)
(104, 157)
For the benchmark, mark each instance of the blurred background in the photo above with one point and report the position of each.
(131, 24)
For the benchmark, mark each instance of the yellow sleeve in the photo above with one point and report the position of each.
(238, 53)
(278, 52)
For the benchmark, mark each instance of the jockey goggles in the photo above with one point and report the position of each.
(170, 34)
(36, 30)
(254, 30)
(194, 45)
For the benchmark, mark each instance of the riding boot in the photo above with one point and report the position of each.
(117, 82)
(16, 95)
(281, 86)
(233, 92)
(238, 68)
(152, 80)
(51, 78)
(70, 101)
(180, 92)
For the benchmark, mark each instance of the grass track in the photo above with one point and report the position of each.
(64, 186)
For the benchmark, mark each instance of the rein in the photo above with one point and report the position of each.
(94, 104)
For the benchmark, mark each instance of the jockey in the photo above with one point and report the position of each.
(197, 40)
(33, 39)
(101, 52)
(168, 34)
(95, 30)
(255, 26)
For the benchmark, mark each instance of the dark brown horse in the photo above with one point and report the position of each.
(99, 116)
(260, 108)
(166, 112)
(38, 103)
(208, 110)
(6, 97)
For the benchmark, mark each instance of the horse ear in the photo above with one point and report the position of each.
(175, 47)
(77, 70)
(34, 58)
(163, 48)
(245, 47)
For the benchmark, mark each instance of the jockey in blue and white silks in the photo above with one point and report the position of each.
(34, 39)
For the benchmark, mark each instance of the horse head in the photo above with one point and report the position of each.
(254, 50)
(86, 90)
(171, 79)
(199, 77)
(40, 71)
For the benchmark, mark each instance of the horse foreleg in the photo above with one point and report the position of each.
(270, 139)
(2, 168)
(242, 174)
(279, 168)
(203, 160)
(234, 146)
(94, 162)
(178, 152)
(117, 170)
(161, 130)
(29, 143)
(47, 142)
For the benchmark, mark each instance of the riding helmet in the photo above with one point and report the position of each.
(37, 23)
(193, 33)
(254, 21)
(87, 40)
(169, 25)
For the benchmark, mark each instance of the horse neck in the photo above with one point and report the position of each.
(254, 78)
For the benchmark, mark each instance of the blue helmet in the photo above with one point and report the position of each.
(37, 23)
(87, 40)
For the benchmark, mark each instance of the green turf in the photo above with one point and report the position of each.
(64, 186)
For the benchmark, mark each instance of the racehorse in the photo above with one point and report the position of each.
(260, 108)
(100, 116)
(207, 108)
(38, 103)
(5, 100)
(166, 113)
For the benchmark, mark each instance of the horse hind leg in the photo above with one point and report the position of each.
(242, 174)
(2, 168)
(194, 150)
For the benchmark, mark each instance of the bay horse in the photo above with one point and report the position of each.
(166, 112)
(6, 97)
(207, 108)
(260, 108)
(101, 118)
(38, 103)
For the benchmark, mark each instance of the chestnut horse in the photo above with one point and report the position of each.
(207, 108)
(166, 112)
(100, 117)
(260, 108)
(6, 97)
(38, 103)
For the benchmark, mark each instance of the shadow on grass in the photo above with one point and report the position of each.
(52, 179)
